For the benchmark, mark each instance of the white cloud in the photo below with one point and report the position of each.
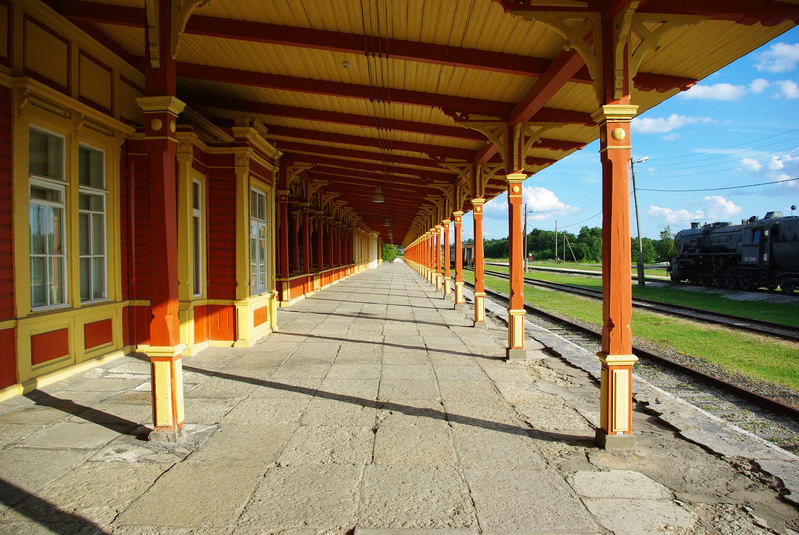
(720, 209)
(758, 86)
(776, 164)
(662, 125)
(714, 208)
(788, 89)
(675, 217)
(750, 164)
(671, 137)
(721, 91)
(543, 203)
(781, 57)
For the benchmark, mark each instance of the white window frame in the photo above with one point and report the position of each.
(197, 241)
(259, 226)
(97, 192)
(59, 185)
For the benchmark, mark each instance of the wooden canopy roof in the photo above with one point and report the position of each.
(383, 93)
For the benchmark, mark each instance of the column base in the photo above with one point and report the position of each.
(614, 442)
(479, 324)
(171, 436)
(515, 353)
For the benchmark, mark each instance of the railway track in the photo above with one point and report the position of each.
(784, 332)
(753, 411)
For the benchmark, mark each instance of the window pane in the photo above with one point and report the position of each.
(83, 232)
(55, 230)
(45, 154)
(98, 234)
(37, 226)
(56, 269)
(195, 195)
(97, 204)
(253, 204)
(85, 279)
(91, 167)
(98, 278)
(38, 282)
(197, 256)
(84, 202)
(41, 193)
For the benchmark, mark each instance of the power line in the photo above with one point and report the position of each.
(719, 189)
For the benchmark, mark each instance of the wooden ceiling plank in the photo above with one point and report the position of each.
(297, 133)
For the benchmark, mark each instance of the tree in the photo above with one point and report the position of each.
(665, 246)
(390, 252)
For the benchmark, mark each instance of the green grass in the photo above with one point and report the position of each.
(782, 313)
(749, 355)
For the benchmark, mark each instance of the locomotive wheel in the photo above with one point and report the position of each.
(787, 285)
(745, 281)
(707, 279)
(718, 280)
(730, 279)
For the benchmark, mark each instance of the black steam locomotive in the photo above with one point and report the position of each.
(757, 253)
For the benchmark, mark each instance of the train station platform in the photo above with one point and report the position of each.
(378, 409)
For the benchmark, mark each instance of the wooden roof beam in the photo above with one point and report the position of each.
(348, 154)
(340, 89)
(746, 12)
(260, 32)
(422, 148)
(423, 175)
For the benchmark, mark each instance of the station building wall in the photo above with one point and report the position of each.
(75, 259)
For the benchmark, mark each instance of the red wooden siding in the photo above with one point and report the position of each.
(97, 333)
(49, 346)
(222, 322)
(200, 324)
(8, 357)
(260, 315)
(221, 254)
(6, 211)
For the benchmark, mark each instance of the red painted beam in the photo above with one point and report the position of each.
(646, 81)
(259, 32)
(339, 89)
(554, 78)
(349, 154)
(332, 117)
(313, 135)
(747, 12)
(395, 170)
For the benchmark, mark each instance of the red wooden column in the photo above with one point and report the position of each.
(320, 241)
(283, 206)
(458, 260)
(161, 109)
(515, 349)
(306, 249)
(447, 267)
(479, 272)
(165, 348)
(330, 243)
(338, 244)
(431, 270)
(616, 356)
(437, 257)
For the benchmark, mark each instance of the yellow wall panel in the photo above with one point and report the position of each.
(46, 53)
(95, 81)
(5, 30)
(128, 109)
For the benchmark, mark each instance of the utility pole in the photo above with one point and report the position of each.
(556, 242)
(526, 249)
(641, 281)
(525, 238)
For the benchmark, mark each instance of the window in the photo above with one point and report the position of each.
(197, 236)
(46, 206)
(91, 222)
(258, 282)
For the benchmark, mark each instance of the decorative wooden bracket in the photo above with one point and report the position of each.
(650, 39)
(153, 32)
(180, 11)
(326, 198)
(314, 185)
(295, 169)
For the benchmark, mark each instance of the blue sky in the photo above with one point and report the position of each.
(737, 127)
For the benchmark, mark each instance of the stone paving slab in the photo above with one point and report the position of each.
(377, 409)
